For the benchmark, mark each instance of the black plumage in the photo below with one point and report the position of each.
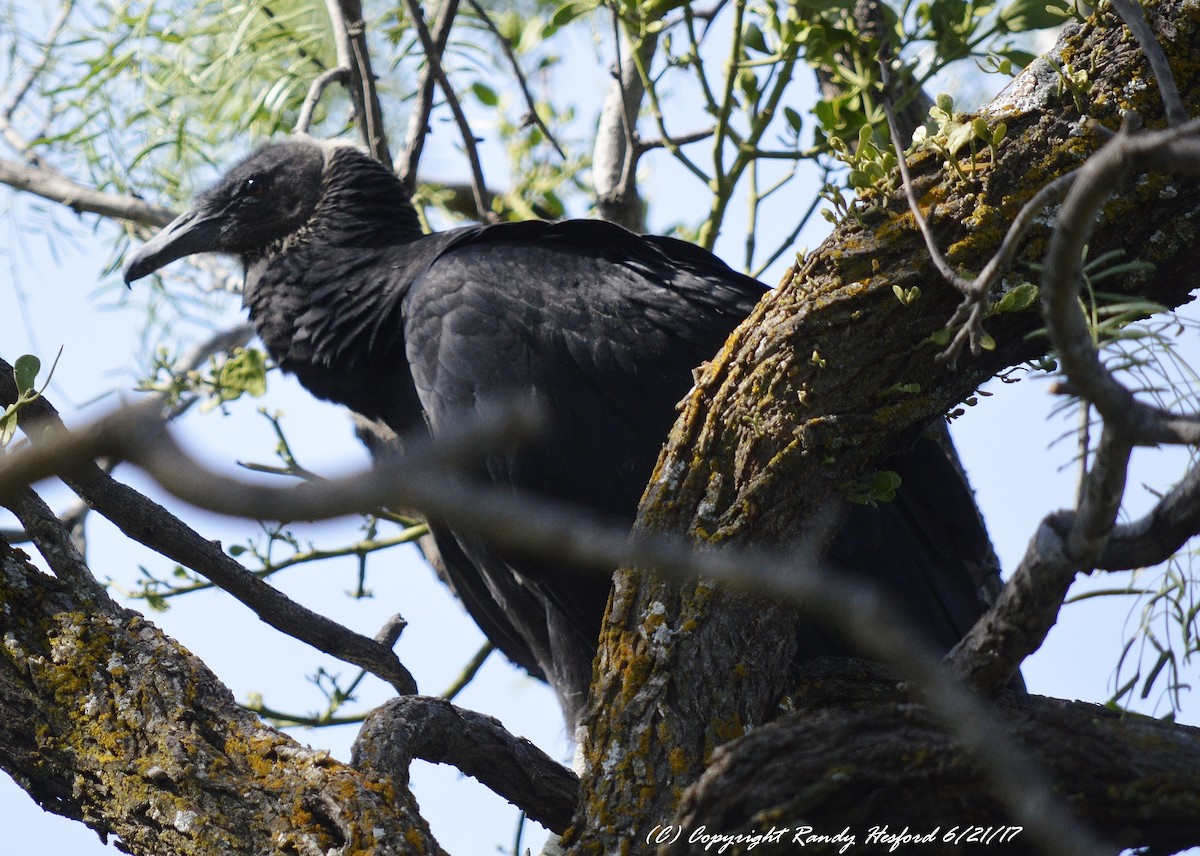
(601, 326)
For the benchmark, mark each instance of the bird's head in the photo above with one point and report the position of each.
(259, 202)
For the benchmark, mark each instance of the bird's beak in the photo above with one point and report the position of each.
(191, 232)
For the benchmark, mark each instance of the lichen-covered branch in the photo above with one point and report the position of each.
(779, 774)
(104, 719)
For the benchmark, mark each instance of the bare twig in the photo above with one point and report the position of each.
(971, 311)
(1135, 20)
(433, 58)
(521, 81)
(1175, 150)
(315, 91)
(418, 122)
(948, 273)
(350, 36)
(1155, 537)
(469, 671)
(9, 108)
(644, 146)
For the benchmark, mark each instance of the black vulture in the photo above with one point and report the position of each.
(602, 326)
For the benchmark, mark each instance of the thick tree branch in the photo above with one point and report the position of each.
(780, 773)
(434, 730)
(105, 720)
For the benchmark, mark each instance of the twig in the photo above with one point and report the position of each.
(418, 122)
(970, 313)
(478, 185)
(1131, 13)
(516, 67)
(1175, 150)
(1066, 543)
(315, 91)
(644, 146)
(948, 273)
(469, 671)
(350, 37)
(1158, 535)
(9, 109)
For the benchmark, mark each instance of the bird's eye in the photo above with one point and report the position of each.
(252, 188)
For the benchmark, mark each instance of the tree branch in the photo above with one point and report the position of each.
(780, 773)
(418, 122)
(104, 719)
(434, 730)
(48, 183)
(433, 59)
(350, 36)
(151, 524)
(1175, 150)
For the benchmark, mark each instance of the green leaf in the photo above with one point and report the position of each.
(958, 136)
(1017, 299)
(486, 95)
(753, 38)
(244, 372)
(794, 119)
(26, 370)
(1023, 15)
(569, 11)
(1018, 58)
